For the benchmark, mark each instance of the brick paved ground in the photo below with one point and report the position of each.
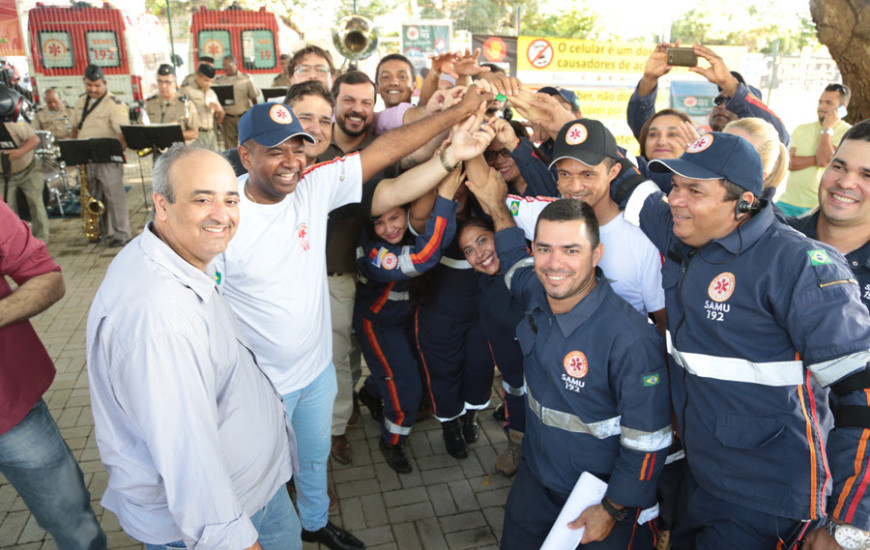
(442, 504)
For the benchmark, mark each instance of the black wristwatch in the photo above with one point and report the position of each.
(614, 512)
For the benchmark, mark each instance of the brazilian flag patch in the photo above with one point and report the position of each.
(818, 257)
(515, 207)
(651, 380)
(217, 277)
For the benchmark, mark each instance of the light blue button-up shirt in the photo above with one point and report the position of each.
(192, 433)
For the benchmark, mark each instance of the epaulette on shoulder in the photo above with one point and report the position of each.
(152, 97)
(118, 101)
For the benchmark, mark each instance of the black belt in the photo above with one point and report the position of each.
(205, 129)
(234, 116)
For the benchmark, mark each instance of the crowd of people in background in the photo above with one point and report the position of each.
(672, 322)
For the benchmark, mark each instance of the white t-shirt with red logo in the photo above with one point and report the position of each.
(274, 272)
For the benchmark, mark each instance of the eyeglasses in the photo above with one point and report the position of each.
(720, 99)
(839, 88)
(306, 69)
(161, 82)
(490, 155)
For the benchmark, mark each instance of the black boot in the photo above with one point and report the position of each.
(373, 403)
(470, 427)
(395, 457)
(453, 439)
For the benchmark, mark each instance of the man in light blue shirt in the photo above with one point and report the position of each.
(192, 433)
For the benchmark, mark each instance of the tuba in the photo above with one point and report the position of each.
(92, 208)
(355, 37)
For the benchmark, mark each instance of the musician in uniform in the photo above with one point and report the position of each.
(207, 107)
(54, 116)
(20, 167)
(245, 95)
(171, 107)
(99, 114)
(190, 79)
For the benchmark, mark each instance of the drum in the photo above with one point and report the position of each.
(47, 147)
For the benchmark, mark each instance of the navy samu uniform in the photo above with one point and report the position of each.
(499, 314)
(597, 394)
(382, 316)
(767, 338)
(858, 260)
(451, 341)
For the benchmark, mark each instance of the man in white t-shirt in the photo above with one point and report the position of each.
(585, 156)
(274, 273)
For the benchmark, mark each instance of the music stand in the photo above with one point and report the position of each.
(269, 93)
(225, 95)
(75, 152)
(155, 137)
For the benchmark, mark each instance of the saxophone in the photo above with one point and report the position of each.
(92, 209)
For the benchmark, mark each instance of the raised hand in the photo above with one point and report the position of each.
(717, 72)
(467, 65)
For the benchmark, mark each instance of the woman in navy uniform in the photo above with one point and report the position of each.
(387, 257)
(500, 313)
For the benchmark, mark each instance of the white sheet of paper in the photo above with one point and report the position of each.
(588, 490)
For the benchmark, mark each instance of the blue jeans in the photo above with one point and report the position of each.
(310, 412)
(276, 524)
(37, 462)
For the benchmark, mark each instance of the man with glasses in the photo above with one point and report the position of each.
(170, 107)
(311, 63)
(812, 148)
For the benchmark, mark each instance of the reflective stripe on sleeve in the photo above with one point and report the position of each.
(519, 392)
(406, 263)
(733, 369)
(646, 442)
(527, 262)
(572, 423)
(454, 264)
(828, 372)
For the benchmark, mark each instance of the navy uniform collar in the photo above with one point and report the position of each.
(808, 225)
(569, 322)
(747, 233)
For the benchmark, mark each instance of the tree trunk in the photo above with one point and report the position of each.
(844, 27)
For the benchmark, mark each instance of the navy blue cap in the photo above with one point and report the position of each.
(716, 156)
(585, 140)
(206, 70)
(567, 95)
(94, 73)
(270, 124)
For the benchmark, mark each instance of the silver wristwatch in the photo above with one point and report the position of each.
(848, 537)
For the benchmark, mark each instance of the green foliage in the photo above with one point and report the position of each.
(576, 23)
(370, 8)
(760, 25)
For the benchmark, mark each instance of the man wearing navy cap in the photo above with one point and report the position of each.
(170, 107)
(274, 272)
(768, 341)
(207, 106)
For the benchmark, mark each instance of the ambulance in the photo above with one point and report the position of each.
(252, 37)
(64, 40)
